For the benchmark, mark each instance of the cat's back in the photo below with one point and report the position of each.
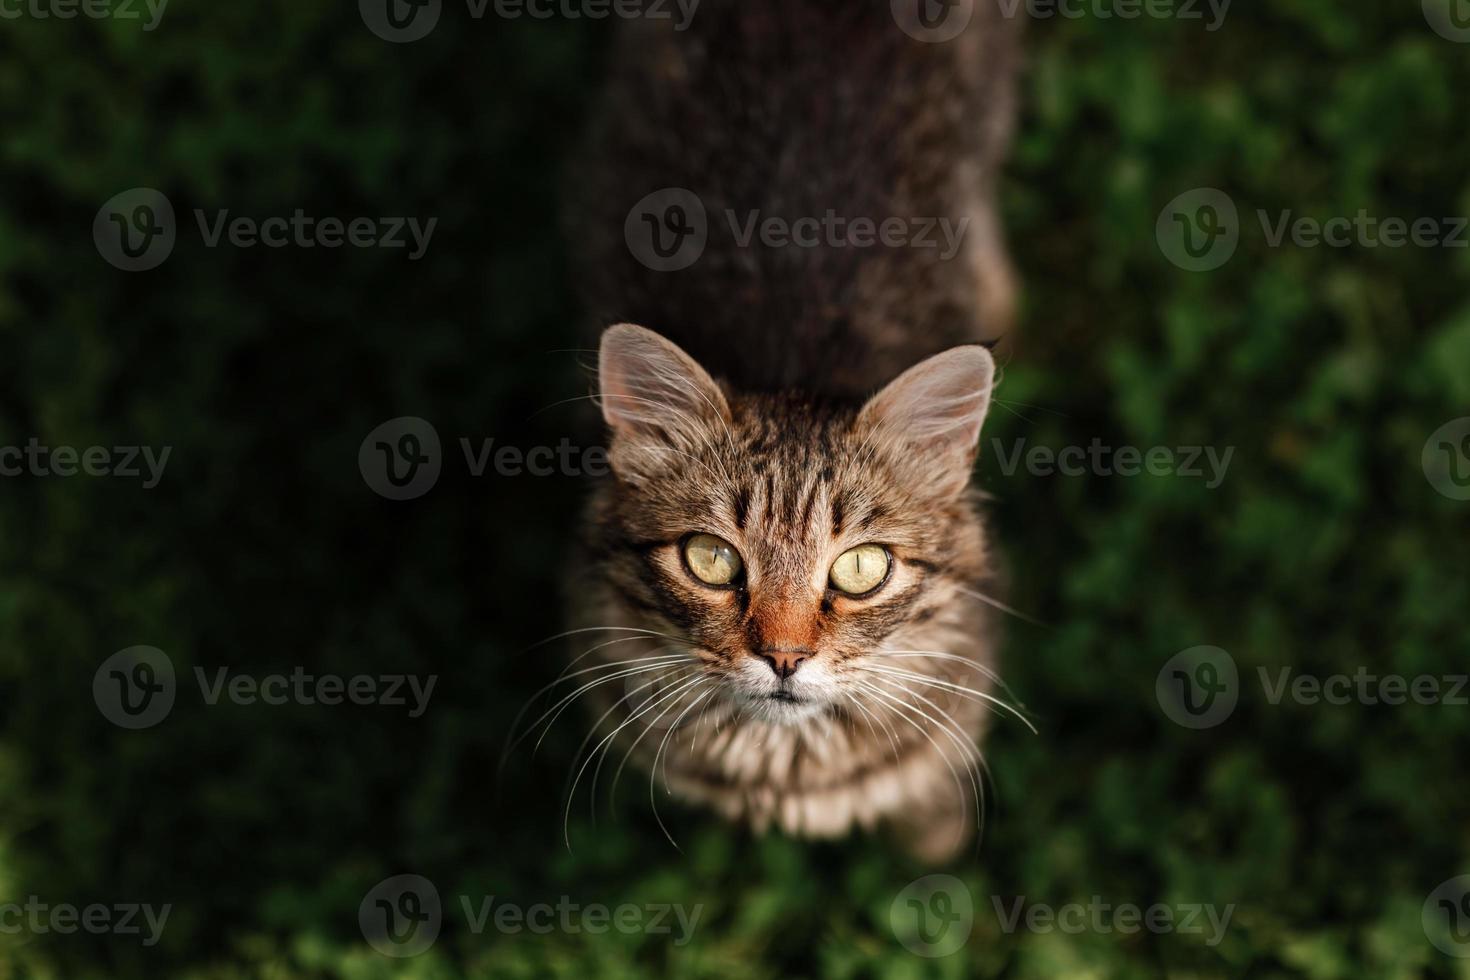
(800, 193)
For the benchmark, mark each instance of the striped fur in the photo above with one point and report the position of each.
(782, 448)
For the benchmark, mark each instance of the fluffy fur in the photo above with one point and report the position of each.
(797, 403)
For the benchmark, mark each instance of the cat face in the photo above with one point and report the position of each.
(779, 539)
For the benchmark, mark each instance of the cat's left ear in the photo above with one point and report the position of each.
(932, 413)
(654, 397)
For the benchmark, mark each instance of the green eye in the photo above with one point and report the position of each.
(714, 561)
(859, 570)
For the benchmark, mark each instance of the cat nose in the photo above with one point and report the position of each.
(784, 662)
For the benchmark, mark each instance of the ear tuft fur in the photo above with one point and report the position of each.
(654, 396)
(933, 413)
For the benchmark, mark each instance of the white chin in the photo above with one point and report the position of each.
(783, 711)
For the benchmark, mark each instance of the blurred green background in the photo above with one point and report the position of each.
(262, 549)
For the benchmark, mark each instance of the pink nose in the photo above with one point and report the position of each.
(784, 662)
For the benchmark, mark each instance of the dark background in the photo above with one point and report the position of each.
(263, 549)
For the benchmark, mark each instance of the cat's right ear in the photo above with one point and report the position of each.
(654, 396)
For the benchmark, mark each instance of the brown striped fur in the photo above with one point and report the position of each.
(765, 425)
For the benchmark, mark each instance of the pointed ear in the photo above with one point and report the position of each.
(654, 396)
(931, 415)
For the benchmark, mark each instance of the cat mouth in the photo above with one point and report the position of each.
(784, 696)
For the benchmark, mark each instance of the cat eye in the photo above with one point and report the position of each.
(714, 561)
(860, 570)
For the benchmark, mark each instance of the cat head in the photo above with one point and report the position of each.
(783, 539)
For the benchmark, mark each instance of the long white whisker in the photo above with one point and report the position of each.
(886, 654)
(515, 723)
(869, 717)
(943, 756)
(562, 705)
(618, 774)
(653, 769)
(567, 815)
(990, 601)
(969, 693)
(597, 725)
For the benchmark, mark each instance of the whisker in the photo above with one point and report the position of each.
(886, 653)
(561, 706)
(943, 756)
(597, 726)
(618, 773)
(567, 815)
(595, 629)
(869, 717)
(653, 769)
(515, 723)
(991, 601)
(969, 693)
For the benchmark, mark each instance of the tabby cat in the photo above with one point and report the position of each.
(784, 586)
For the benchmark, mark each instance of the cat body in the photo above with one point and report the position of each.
(782, 589)
(797, 110)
